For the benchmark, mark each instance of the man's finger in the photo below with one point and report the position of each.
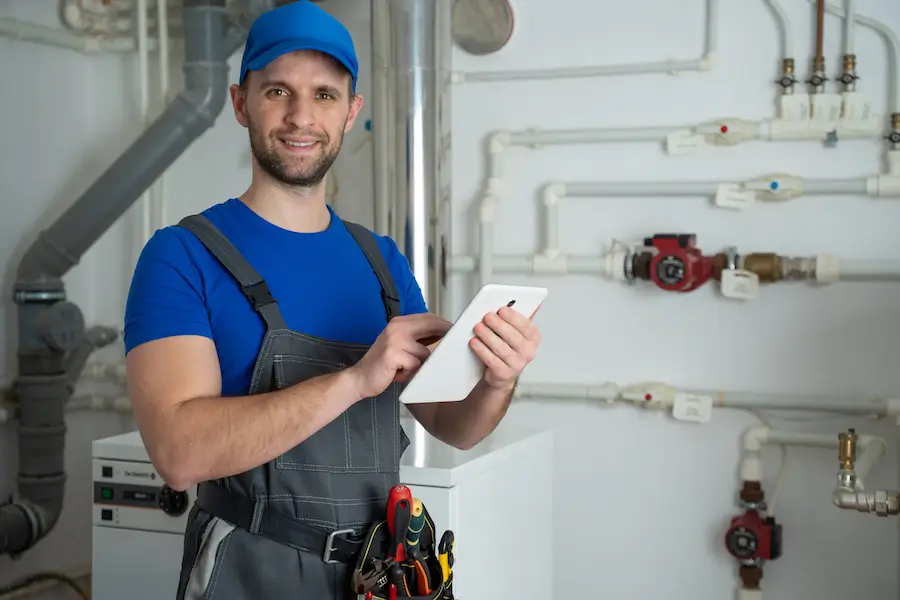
(428, 326)
(507, 331)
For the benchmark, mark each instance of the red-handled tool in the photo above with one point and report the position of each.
(398, 492)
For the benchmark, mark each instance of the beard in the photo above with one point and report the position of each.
(306, 171)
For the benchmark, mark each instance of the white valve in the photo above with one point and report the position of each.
(739, 284)
(728, 132)
(778, 187)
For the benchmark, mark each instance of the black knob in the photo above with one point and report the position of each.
(171, 502)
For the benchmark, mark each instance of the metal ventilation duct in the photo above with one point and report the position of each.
(411, 44)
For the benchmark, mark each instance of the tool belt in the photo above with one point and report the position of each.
(241, 511)
(424, 573)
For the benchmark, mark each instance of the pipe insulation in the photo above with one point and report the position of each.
(50, 328)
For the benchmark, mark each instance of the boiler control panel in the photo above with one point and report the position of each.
(132, 495)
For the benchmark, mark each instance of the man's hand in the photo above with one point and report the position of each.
(506, 342)
(397, 353)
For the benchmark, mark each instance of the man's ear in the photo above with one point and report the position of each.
(239, 104)
(356, 104)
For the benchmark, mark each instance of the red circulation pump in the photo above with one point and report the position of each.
(678, 265)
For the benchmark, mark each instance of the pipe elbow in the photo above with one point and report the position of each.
(755, 438)
(553, 193)
(207, 91)
(498, 142)
(709, 61)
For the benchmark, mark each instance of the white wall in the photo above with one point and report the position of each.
(641, 500)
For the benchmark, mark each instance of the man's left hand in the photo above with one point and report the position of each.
(506, 342)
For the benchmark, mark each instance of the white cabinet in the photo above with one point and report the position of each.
(497, 499)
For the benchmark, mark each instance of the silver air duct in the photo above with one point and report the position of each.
(411, 44)
(52, 340)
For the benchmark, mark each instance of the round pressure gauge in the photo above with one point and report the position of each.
(482, 26)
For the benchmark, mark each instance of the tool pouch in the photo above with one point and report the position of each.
(377, 548)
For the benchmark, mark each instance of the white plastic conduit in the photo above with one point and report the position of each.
(146, 215)
(784, 24)
(706, 62)
(162, 18)
(69, 40)
(661, 396)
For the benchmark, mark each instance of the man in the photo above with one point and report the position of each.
(267, 341)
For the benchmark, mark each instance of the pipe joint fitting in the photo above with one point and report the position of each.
(709, 61)
(553, 193)
(498, 142)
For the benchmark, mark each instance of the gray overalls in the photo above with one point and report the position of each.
(291, 528)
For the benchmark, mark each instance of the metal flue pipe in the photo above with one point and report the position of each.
(411, 44)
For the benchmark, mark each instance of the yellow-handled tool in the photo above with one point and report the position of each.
(445, 554)
(416, 523)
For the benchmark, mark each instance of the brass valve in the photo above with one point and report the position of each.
(847, 449)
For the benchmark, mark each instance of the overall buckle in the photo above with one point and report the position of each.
(330, 547)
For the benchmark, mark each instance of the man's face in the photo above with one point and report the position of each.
(297, 110)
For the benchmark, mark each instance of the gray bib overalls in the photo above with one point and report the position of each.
(291, 528)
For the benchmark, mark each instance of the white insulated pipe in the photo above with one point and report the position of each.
(849, 25)
(784, 24)
(162, 17)
(660, 396)
(146, 215)
(69, 40)
(706, 62)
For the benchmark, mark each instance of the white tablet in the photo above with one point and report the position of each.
(453, 369)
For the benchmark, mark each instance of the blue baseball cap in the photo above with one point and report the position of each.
(299, 25)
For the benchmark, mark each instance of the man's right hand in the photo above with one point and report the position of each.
(397, 353)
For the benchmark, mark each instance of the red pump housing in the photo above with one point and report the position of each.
(752, 537)
(678, 265)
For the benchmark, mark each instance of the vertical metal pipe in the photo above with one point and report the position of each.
(382, 115)
(411, 60)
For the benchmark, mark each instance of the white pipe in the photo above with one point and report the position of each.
(662, 396)
(756, 437)
(706, 62)
(849, 25)
(784, 24)
(162, 18)
(890, 37)
(144, 108)
(49, 36)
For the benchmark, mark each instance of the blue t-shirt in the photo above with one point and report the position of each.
(322, 281)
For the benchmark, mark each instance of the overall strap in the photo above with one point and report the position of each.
(252, 284)
(366, 240)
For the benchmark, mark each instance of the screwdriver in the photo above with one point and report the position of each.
(416, 523)
(397, 493)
